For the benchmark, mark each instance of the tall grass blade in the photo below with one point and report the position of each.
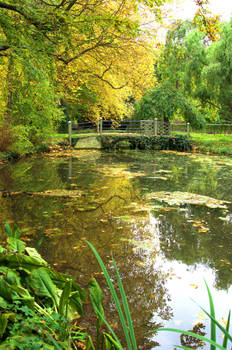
(227, 329)
(114, 295)
(212, 313)
(218, 324)
(126, 307)
(207, 340)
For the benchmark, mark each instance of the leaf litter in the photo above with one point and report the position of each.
(178, 198)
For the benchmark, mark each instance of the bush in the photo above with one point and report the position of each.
(175, 143)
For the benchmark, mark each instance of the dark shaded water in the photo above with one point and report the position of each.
(163, 251)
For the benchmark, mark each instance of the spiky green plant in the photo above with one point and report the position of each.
(124, 314)
(214, 325)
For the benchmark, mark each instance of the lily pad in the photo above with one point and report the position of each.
(178, 198)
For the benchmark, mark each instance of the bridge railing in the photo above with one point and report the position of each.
(143, 127)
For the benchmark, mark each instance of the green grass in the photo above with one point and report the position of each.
(210, 143)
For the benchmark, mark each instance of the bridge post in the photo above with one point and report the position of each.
(188, 129)
(70, 132)
(101, 122)
(156, 127)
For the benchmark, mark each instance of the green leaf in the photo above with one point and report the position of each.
(32, 252)
(96, 299)
(7, 229)
(218, 324)
(76, 302)
(16, 232)
(16, 245)
(6, 292)
(43, 286)
(115, 297)
(60, 279)
(3, 323)
(11, 276)
(225, 341)
(212, 313)
(207, 340)
(64, 299)
(21, 261)
(24, 296)
(110, 343)
(4, 304)
(126, 307)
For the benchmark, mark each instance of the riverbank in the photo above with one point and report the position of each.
(201, 143)
(220, 144)
(212, 143)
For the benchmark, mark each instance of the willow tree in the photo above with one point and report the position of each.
(177, 71)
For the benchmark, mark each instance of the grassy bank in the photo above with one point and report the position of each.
(212, 143)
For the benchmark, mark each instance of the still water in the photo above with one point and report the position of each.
(123, 204)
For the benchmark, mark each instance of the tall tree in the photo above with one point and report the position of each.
(178, 69)
(57, 48)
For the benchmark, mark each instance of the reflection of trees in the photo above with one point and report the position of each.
(183, 241)
(202, 174)
(65, 224)
(65, 228)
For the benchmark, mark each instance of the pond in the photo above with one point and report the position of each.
(165, 217)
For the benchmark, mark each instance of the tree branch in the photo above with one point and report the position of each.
(12, 8)
(109, 83)
(4, 47)
(71, 4)
(69, 60)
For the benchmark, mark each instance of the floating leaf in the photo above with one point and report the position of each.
(178, 198)
(195, 286)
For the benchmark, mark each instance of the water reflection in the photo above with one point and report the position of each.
(111, 210)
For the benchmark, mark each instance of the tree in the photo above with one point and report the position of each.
(57, 49)
(217, 75)
(177, 70)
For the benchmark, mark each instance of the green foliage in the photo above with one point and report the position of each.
(37, 301)
(175, 143)
(194, 78)
(40, 306)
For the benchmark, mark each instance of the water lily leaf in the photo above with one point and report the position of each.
(178, 198)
